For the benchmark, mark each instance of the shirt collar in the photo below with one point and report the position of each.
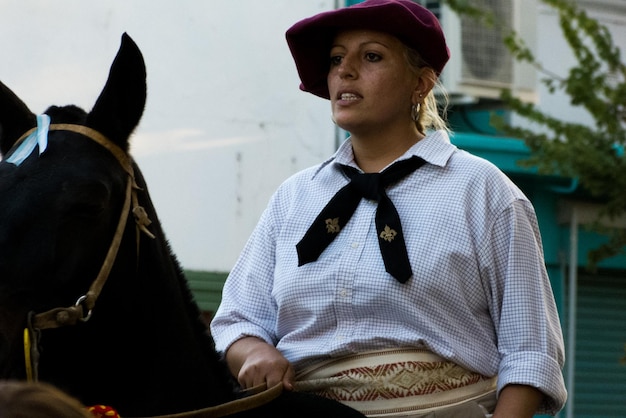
(435, 148)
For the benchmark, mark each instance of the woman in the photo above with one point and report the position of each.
(402, 289)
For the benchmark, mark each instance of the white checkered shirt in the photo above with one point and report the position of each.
(479, 296)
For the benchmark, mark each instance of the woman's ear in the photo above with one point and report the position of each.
(425, 83)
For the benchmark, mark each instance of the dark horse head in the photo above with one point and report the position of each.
(144, 348)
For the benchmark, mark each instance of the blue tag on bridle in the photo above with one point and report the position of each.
(38, 137)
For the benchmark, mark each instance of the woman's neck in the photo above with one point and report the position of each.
(372, 153)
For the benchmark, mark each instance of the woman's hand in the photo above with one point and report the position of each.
(255, 362)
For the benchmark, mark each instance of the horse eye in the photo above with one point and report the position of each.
(88, 209)
(85, 200)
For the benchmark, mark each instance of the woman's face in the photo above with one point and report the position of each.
(370, 83)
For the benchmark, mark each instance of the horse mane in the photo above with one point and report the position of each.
(194, 314)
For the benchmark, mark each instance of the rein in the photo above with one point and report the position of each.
(257, 396)
(81, 311)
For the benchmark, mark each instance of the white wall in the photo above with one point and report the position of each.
(556, 56)
(225, 122)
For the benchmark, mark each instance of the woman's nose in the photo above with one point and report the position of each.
(347, 69)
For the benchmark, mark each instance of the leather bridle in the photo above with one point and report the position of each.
(81, 311)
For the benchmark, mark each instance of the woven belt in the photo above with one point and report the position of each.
(384, 383)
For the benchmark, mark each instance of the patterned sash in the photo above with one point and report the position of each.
(402, 382)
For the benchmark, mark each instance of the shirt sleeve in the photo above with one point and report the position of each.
(530, 340)
(247, 307)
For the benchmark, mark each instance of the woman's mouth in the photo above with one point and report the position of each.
(348, 96)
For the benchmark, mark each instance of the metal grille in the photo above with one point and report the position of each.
(600, 376)
(485, 57)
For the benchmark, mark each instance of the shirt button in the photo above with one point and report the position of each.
(355, 245)
(343, 293)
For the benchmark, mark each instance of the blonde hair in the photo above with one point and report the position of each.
(432, 111)
(38, 400)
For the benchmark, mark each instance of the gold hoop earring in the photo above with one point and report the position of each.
(415, 111)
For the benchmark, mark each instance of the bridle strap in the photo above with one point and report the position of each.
(60, 317)
(121, 156)
(81, 311)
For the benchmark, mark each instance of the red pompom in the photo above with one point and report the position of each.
(103, 411)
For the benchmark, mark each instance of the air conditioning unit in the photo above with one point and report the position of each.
(480, 65)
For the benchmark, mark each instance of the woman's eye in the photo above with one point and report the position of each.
(372, 57)
(335, 60)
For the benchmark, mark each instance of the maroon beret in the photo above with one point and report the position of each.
(309, 40)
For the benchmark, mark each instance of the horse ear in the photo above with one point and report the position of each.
(15, 118)
(120, 105)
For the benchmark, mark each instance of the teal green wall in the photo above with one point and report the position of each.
(207, 288)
